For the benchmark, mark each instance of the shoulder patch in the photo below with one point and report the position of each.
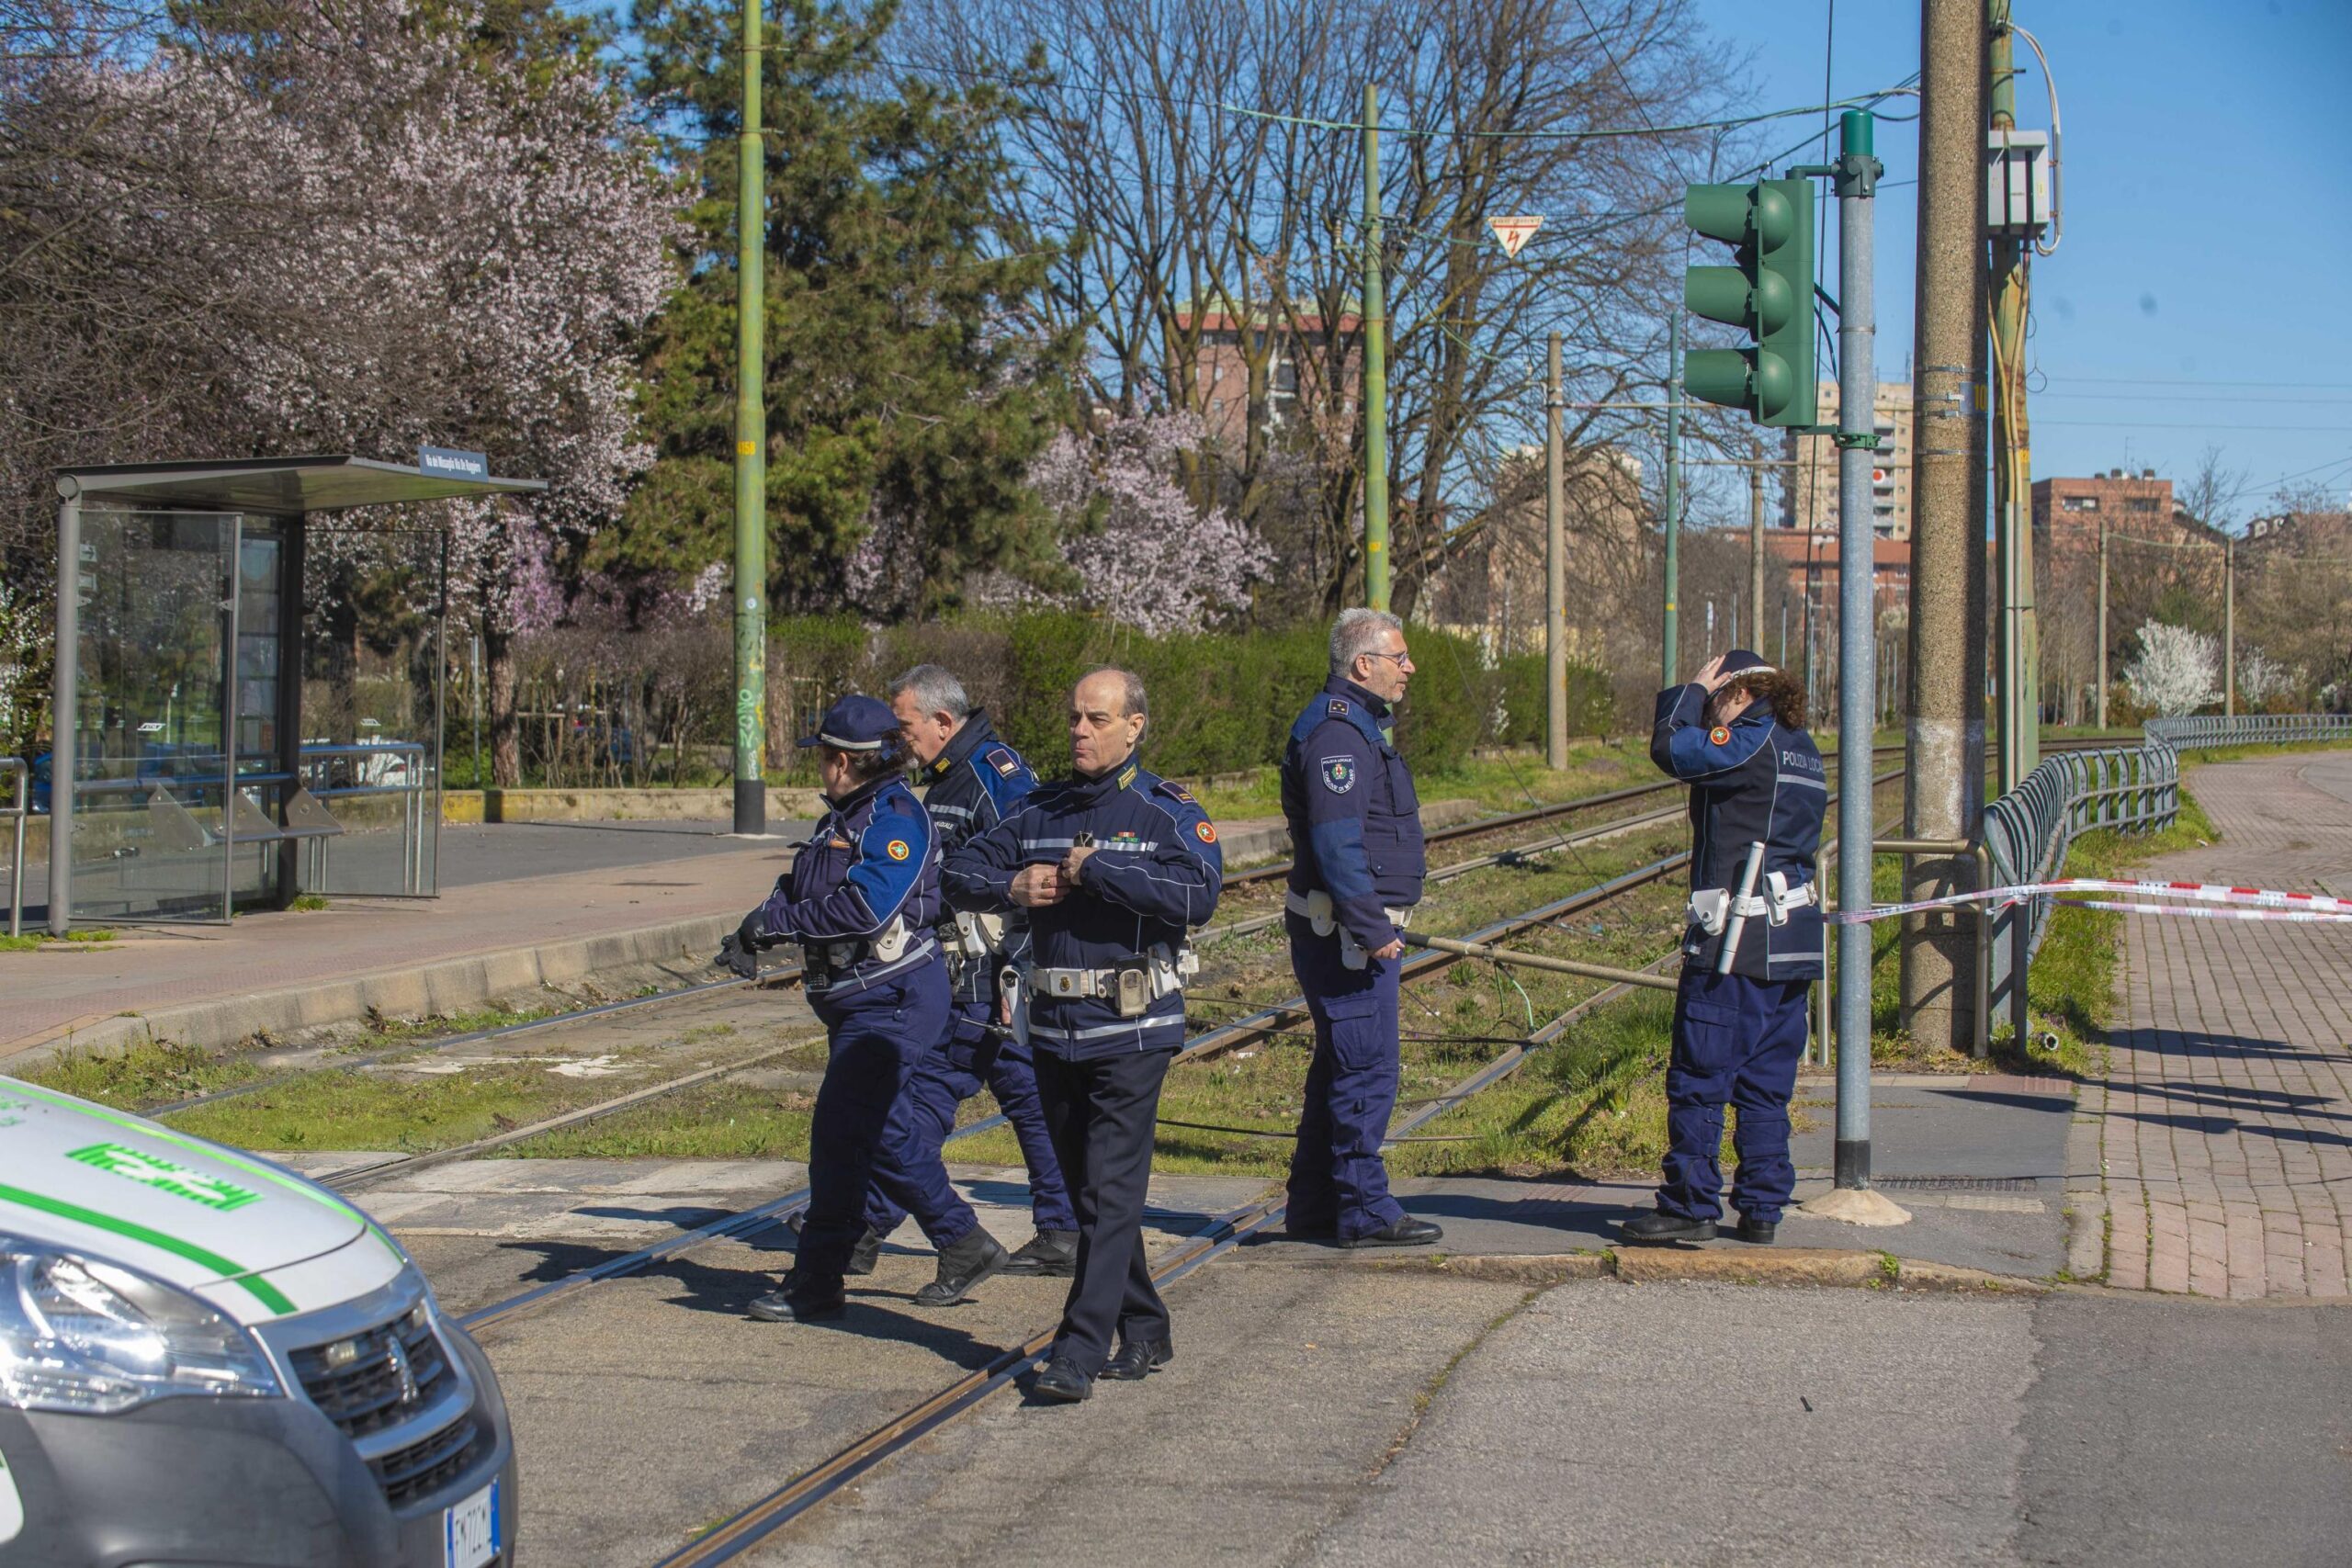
(898, 849)
(1205, 830)
(1719, 735)
(1003, 760)
(1338, 707)
(1175, 791)
(1338, 773)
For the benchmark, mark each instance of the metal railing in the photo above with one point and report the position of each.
(19, 810)
(2250, 730)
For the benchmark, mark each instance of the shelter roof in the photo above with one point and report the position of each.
(280, 485)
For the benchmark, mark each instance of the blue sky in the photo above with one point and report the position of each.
(2199, 297)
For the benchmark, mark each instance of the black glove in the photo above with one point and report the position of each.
(740, 950)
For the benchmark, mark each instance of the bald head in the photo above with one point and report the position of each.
(1106, 719)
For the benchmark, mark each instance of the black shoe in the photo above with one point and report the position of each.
(862, 1255)
(1406, 1232)
(1062, 1383)
(1659, 1225)
(1137, 1358)
(1047, 1252)
(791, 1303)
(1758, 1231)
(963, 1264)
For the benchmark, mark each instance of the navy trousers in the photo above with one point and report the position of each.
(876, 1037)
(1338, 1180)
(1102, 1113)
(1736, 1041)
(912, 1174)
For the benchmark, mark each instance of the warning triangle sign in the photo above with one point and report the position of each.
(1513, 232)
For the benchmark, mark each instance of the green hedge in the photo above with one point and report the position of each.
(1220, 702)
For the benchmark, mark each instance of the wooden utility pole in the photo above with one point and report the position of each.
(2020, 639)
(1556, 572)
(750, 582)
(2102, 620)
(2229, 625)
(1946, 699)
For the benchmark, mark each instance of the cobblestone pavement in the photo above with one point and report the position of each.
(2227, 1115)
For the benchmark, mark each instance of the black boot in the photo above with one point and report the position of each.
(1760, 1232)
(1659, 1225)
(1137, 1358)
(963, 1264)
(1062, 1383)
(1406, 1232)
(862, 1255)
(1048, 1252)
(797, 1300)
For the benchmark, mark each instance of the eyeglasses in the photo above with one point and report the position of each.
(1401, 659)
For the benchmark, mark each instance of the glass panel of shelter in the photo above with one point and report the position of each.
(151, 839)
(372, 690)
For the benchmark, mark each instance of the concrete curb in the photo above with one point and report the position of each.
(452, 985)
(2085, 1200)
(1835, 1268)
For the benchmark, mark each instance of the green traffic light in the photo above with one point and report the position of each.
(1769, 293)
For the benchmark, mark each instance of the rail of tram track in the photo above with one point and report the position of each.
(1214, 1042)
(789, 973)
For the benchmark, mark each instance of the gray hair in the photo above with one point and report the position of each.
(1355, 635)
(1133, 684)
(937, 689)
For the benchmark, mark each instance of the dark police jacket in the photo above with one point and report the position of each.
(1752, 780)
(1154, 875)
(974, 783)
(1355, 821)
(870, 865)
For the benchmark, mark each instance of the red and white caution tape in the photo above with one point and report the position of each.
(2242, 903)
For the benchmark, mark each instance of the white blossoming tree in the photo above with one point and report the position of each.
(2177, 671)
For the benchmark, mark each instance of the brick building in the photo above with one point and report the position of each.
(1810, 558)
(2068, 512)
(1809, 498)
(1294, 347)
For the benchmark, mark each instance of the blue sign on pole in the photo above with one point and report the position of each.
(444, 462)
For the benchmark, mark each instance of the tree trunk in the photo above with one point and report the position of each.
(505, 731)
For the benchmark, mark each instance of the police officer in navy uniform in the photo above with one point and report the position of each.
(861, 899)
(972, 782)
(1736, 735)
(1115, 868)
(1355, 830)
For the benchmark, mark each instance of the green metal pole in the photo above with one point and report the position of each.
(1375, 369)
(751, 446)
(1671, 661)
(2019, 653)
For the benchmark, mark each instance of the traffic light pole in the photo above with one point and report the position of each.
(1670, 663)
(2102, 620)
(751, 447)
(1857, 186)
(1375, 369)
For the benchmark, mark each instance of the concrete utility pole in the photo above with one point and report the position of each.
(2021, 641)
(1755, 538)
(1375, 369)
(2229, 625)
(1945, 744)
(1555, 570)
(751, 446)
(2102, 620)
(1857, 183)
(1670, 662)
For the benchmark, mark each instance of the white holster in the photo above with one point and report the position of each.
(1783, 898)
(1323, 919)
(978, 935)
(1012, 989)
(891, 940)
(1708, 909)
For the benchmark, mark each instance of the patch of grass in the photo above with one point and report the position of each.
(306, 902)
(712, 1120)
(25, 944)
(149, 1073)
(383, 1032)
(1499, 783)
(88, 933)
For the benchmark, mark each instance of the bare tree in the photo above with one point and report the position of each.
(1207, 152)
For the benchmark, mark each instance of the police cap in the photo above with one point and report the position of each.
(854, 724)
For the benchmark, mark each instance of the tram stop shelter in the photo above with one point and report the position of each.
(249, 683)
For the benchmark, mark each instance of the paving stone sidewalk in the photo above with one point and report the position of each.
(2227, 1115)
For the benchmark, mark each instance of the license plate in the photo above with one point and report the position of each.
(470, 1529)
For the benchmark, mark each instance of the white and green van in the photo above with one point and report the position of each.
(206, 1359)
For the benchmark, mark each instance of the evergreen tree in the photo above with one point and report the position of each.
(909, 381)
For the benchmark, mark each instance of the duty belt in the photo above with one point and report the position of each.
(1317, 910)
(1168, 973)
(1711, 908)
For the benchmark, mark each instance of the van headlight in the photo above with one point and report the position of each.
(91, 1337)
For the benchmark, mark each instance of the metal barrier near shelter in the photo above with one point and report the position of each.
(18, 808)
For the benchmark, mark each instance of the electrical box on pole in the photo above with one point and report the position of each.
(1768, 292)
(2016, 183)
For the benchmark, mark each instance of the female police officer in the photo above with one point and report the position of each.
(1736, 736)
(862, 898)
